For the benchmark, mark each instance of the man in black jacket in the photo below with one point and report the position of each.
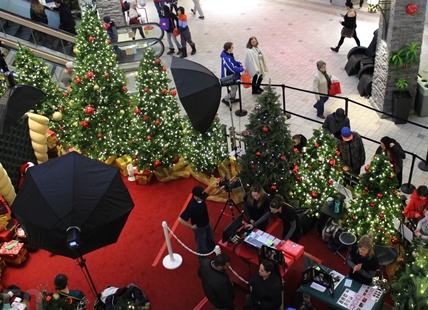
(216, 283)
(66, 20)
(335, 122)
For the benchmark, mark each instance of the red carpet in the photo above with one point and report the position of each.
(137, 256)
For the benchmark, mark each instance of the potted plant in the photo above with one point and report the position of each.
(402, 102)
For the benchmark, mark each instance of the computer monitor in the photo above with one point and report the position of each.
(231, 230)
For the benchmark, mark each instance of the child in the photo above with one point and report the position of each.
(185, 35)
(418, 204)
(422, 228)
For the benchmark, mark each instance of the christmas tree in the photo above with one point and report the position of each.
(204, 151)
(95, 119)
(317, 172)
(269, 154)
(156, 130)
(35, 72)
(409, 292)
(377, 202)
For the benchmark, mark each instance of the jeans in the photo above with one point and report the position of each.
(232, 94)
(204, 238)
(159, 6)
(170, 37)
(320, 105)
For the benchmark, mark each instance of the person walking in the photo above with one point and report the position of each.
(230, 66)
(321, 84)
(67, 75)
(167, 13)
(256, 65)
(216, 283)
(335, 121)
(197, 7)
(350, 22)
(394, 151)
(351, 150)
(158, 5)
(185, 34)
(66, 20)
(134, 19)
(197, 212)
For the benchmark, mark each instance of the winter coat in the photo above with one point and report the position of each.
(217, 286)
(253, 63)
(40, 17)
(416, 206)
(67, 22)
(353, 153)
(398, 156)
(230, 66)
(267, 292)
(333, 126)
(320, 84)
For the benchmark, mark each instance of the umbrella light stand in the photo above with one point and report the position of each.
(82, 264)
(172, 260)
(229, 202)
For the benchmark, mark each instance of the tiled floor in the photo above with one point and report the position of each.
(294, 35)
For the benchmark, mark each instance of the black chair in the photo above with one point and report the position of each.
(386, 255)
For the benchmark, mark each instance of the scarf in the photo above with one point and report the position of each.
(327, 77)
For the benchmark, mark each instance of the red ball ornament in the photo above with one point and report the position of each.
(309, 167)
(316, 145)
(65, 94)
(337, 153)
(395, 192)
(78, 80)
(146, 89)
(256, 107)
(173, 92)
(145, 118)
(176, 159)
(100, 135)
(394, 240)
(296, 169)
(106, 74)
(61, 128)
(253, 166)
(265, 129)
(330, 182)
(372, 204)
(367, 168)
(366, 188)
(314, 194)
(379, 195)
(157, 122)
(61, 108)
(332, 162)
(379, 228)
(104, 120)
(84, 124)
(124, 88)
(137, 111)
(89, 75)
(381, 215)
(273, 188)
(157, 61)
(258, 154)
(411, 9)
(108, 41)
(135, 157)
(401, 260)
(164, 69)
(354, 217)
(298, 179)
(296, 150)
(391, 176)
(149, 138)
(157, 163)
(91, 38)
(89, 110)
(283, 158)
(132, 141)
(164, 91)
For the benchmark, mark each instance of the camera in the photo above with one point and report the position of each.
(226, 183)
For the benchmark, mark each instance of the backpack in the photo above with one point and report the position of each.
(164, 23)
(125, 6)
(330, 229)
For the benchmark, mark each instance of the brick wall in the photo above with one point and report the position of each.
(113, 8)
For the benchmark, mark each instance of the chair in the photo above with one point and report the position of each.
(386, 256)
(348, 239)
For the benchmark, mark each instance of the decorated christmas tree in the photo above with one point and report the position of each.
(377, 202)
(95, 119)
(409, 292)
(156, 130)
(35, 72)
(204, 151)
(317, 172)
(269, 154)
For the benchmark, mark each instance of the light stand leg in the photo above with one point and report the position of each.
(82, 264)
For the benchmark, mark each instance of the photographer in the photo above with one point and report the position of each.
(255, 205)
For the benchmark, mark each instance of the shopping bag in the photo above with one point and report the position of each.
(164, 23)
(176, 32)
(335, 87)
(245, 78)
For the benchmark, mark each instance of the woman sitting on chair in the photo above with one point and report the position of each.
(363, 261)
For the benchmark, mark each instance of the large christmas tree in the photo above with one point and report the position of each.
(317, 172)
(95, 119)
(409, 292)
(377, 202)
(35, 72)
(269, 154)
(204, 151)
(156, 130)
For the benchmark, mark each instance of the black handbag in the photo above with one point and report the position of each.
(347, 32)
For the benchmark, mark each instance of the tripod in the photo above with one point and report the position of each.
(231, 204)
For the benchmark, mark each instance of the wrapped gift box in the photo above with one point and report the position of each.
(18, 261)
(51, 139)
(9, 233)
(129, 51)
(12, 249)
(110, 160)
(143, 177)
(292, 249)
(122, 162)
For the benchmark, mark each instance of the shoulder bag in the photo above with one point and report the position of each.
(347, 32)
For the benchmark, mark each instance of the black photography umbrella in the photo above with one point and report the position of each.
(72, 191)
(199, 91)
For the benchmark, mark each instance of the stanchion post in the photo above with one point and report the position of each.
(172, 260)
(423, 165)
(408, 188)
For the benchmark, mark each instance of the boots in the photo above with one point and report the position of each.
(171, 51)
(183, 53)
(259, 81)
(193, 52)
(335, 49)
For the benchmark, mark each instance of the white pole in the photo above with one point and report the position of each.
(172, 260)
